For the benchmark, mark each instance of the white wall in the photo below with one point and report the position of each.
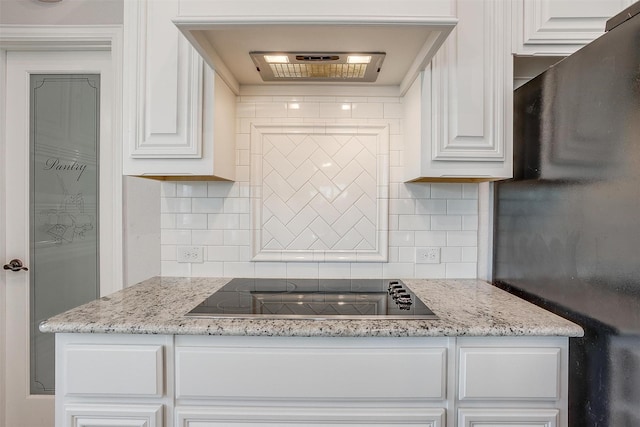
(141, 221)
(216, 216)
(65, 12)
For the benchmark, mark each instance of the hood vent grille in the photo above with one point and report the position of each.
(318, 67)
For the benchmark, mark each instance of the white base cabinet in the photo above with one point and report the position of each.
(207, 381)
(304, 417)
(113, 415)
(519, 417)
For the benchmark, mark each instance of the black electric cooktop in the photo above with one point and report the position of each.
(315, 299)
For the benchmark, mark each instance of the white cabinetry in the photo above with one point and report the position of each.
(93, 415)
(458, 113)
(560, 27)
(308, 417)
(207, 381)
(179, 116)
(514, 381)
(311, 381)
(113, 380)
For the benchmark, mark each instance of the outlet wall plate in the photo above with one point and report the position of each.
(190, 254)
(429, 255)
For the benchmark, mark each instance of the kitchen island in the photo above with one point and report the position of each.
(133, 358)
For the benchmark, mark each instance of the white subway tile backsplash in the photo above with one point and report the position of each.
(432, 271)
(392, 110)
(271, 110)
(245, 109)
(191, 221)
(401, 238)
(236, 237)
(361, 110)
(223, 253)
(462, 238)
(469, 191)
(208, 237)
(446, 222)
(430, 238)
(236, 205)
(204, 205)
(334, 270)
(175, 205)
(366, 270)
(414, 222)
(239, 269)
(208, 269)
(470, 254)
(224, 222)
(462, 207)
(332, 110)
(302, 269)
(461, 270)
(168, 189)
(303, 109)
(446, 191)
(407, 254)
(431, 207)
(271, 269)
(451, 254)
(174, 268)
(398, 269)
(168, 253)
(470, 222)
(191, 189)
(175, 237)
(415, 191)
(216, 215)
(402, 206)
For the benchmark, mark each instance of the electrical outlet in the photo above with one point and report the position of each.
(190, 254)
(428, 255)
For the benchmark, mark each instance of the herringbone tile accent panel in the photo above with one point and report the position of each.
(318, 194)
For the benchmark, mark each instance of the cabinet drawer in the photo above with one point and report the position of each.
(511, 373)
(316, 373)
(117, 370)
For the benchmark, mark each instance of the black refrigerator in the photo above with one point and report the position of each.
(567, 227)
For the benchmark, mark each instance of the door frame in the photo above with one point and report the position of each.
(84, 38)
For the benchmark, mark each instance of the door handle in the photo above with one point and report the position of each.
(15, 265)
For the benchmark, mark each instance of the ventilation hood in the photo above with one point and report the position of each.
(405, 46)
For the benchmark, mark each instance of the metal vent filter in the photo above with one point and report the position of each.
(318, 67)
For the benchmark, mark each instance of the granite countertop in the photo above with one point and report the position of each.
(464, 307)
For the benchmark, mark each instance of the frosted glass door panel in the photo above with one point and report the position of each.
(64, 140)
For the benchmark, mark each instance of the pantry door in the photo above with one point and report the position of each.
(60, 194)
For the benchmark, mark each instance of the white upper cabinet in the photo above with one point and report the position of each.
(458, 113)
(560, 27)
(179, 116)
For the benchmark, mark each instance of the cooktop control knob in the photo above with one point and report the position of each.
(404, 299)
(394, 287)
(399, 293)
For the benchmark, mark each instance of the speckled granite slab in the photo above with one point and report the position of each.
(464, 308)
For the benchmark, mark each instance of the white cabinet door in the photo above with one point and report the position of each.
(171, 100)
(517, 417)
(458, 112)
(95, 415)
(308, 417)
(560, 27)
